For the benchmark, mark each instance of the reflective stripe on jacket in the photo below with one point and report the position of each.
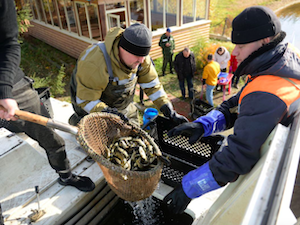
(92, 75)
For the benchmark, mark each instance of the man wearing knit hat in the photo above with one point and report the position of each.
(106, 75)
(270, 96)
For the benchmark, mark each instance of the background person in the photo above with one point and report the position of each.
(16, 92)
(94, 89)
(167, 43)
(185, 67)
(210, 77)
(232, 69)
(222, 56)
(254, 111)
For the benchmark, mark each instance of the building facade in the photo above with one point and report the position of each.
(71, 26)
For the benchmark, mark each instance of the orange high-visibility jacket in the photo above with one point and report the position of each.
(271, 96)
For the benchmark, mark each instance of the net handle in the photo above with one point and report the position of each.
(44, 121)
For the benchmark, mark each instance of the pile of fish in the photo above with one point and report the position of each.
(132, 153)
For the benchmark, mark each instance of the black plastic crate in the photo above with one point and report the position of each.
(173, 174)
(184, 157)
(44, 94)
(199, 108)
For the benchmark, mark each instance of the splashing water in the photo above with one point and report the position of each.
(145, 211)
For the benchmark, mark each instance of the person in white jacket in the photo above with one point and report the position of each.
(222, 56)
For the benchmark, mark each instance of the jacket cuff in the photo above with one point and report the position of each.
(212, 122)
(199, 181)
(5, 92)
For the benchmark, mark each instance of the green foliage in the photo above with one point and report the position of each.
(23, 17)
(203, 48)
(40, 81)
(158, 64)
(48, 66)
(200, 52)
(56, 84)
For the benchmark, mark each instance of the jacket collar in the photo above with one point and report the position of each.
(246, 66)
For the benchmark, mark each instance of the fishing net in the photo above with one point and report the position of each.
(96, 132)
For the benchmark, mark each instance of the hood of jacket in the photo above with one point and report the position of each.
(276, 58)
(112, 40)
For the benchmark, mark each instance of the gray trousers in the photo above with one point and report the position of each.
(28, 100)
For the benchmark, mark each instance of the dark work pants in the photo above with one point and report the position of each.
(235, 79)
(28, 100)
(189, 81)
(167, 59)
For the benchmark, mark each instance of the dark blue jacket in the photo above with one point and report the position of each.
(266, 100)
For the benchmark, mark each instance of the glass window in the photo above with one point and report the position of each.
(188, 11)
(47, 11)
(61, 8)
(200, 9)
(156, 14)
(82, 19)
(34, 10)
(115, 5)
(71, 15)
(158, 19)
(94, 21)
(40, 10)
(53, 10)
(116, 15)
(137, 11)
(171, 13)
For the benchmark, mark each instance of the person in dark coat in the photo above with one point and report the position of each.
(185, 68)
(17, 92)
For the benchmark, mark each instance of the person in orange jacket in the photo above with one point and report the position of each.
(270, 96)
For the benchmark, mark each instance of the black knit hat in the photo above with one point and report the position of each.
(137, 39)
(253, 24)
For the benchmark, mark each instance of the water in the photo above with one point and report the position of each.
(144, 211)
(149, 211)
(290, 23)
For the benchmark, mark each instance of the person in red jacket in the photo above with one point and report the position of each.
(232, 69)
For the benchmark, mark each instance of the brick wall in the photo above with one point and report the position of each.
(73, 46)
(68, 44)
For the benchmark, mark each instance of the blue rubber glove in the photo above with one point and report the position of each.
(212, 122)
(193, 185)
(199, 181)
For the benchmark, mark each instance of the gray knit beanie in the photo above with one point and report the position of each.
(137, 39)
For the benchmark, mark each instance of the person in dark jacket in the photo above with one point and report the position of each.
(270, 96)
(185, 68)
(167, 44)
(16, 92)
